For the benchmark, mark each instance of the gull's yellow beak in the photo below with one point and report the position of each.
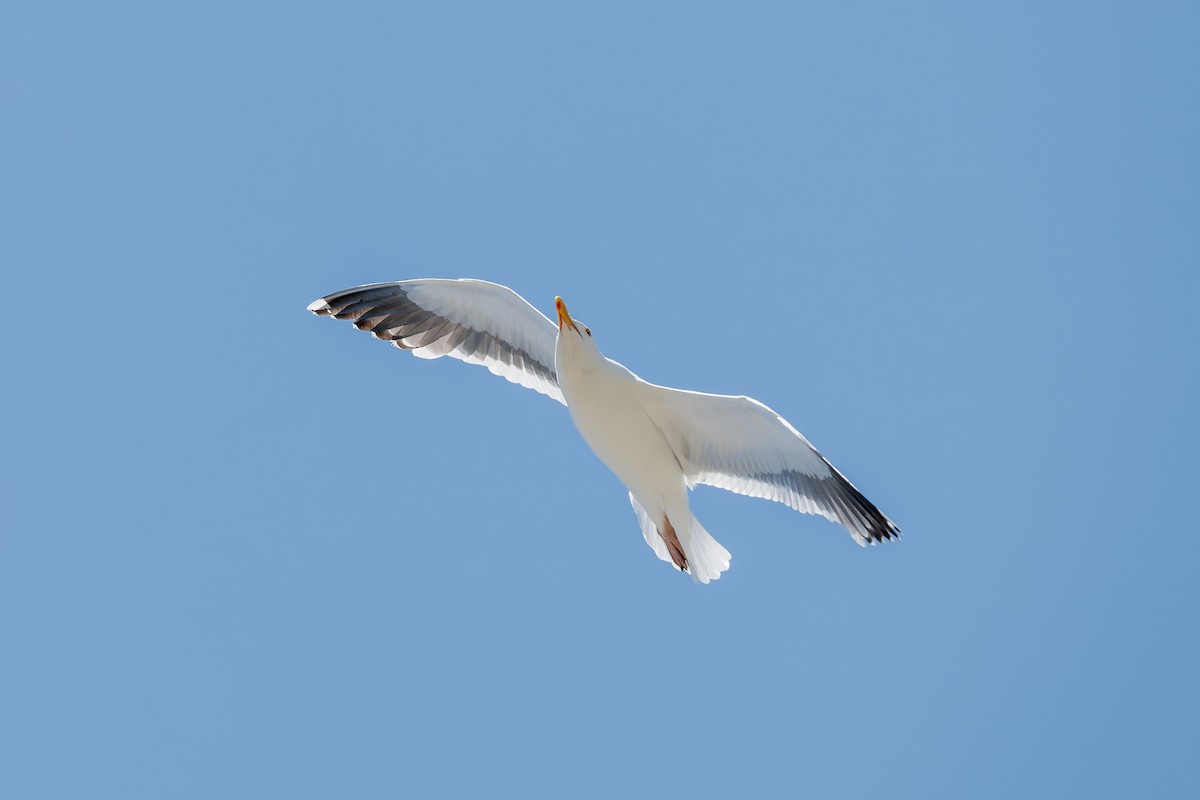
(563, 316)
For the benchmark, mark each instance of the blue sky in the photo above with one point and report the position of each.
(247, 552)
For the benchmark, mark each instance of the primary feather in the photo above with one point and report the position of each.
(474, 321)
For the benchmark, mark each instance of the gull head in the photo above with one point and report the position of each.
(575, 345)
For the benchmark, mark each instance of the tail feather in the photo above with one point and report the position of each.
(650, 532)
(706, 558)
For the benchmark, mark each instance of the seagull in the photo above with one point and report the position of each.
(660, 442)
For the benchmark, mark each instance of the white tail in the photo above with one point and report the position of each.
(707, 559)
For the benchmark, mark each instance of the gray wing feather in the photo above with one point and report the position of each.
(738, 444)
(474, 321)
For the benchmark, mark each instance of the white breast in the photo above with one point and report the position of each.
(605, 409)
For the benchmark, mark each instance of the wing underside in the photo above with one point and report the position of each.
(474, 321)
(738, 444)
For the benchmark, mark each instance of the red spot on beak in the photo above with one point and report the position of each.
(563, 315)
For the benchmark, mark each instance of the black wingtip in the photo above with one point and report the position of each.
(876, 524)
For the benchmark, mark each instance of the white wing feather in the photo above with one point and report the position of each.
(475, 321)
(738, 444)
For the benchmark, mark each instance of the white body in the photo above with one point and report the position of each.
(604, 406)
(606, 401)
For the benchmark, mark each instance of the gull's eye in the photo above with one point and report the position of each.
(587, 330)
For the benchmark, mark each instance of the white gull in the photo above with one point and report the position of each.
(660, 442)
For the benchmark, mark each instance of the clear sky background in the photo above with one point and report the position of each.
(248, 552)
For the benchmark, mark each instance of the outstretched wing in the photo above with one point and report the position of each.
(737, 443)
(474, 321)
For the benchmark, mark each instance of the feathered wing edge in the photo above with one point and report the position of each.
(741, 445)
(474, 321)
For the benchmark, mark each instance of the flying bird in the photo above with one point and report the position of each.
(660, 442)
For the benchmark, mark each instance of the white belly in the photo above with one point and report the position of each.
(604, 400)
(605, 409)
